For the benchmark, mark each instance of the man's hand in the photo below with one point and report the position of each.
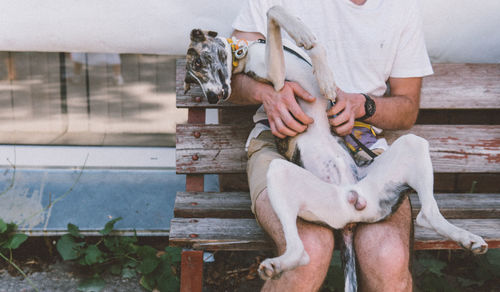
(286, 118)
(347, 108)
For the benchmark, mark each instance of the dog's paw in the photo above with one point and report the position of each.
(326, 83)
(474, 243)
(305, 38)
(270, 269)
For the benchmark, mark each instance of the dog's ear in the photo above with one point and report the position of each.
(187, 86)
(212, 33)
(197, 35)
(188, 80)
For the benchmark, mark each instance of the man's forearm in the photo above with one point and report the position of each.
(400, 110)
(394, 112)
(245, 90)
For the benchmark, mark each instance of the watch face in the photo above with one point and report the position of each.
(370, 107)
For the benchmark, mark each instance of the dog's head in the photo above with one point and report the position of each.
(209, 64)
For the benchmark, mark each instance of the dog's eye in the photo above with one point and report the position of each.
(197, 64)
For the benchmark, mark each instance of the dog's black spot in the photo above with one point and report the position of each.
(212, 33)
(197, 35)
(192, 52)
(254, 76)
(399, 193)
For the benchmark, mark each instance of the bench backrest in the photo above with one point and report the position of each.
(460, 114)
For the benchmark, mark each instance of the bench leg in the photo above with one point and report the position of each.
(191, 271)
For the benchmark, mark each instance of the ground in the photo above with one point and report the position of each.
(237, 271)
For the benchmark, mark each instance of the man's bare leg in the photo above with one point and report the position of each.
(383, 252)
(318, 243)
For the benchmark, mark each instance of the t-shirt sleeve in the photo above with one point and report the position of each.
(412, 59)
(252, 16)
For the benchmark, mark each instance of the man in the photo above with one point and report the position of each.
(368, 42)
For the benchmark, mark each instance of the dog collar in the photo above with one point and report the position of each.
(239, 49)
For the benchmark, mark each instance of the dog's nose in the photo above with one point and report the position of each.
(212, 97)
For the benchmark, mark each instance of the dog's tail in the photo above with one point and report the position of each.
(349, 258)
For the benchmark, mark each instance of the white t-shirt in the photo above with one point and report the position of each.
(365, 44)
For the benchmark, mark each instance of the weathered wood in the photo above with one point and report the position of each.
(212, 136)
(195, 182)
(487, 228)
(212, 205)
(457, 86)
(191, 271)
(215, 234)
(233, 182)
(457, 149)
(237, 205)
(245, 234)
(453, 86)
(456, 206)
(196, 116)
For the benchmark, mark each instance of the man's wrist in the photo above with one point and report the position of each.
(369, 107)
(360, 105)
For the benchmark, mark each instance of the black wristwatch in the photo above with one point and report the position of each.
(369, 107)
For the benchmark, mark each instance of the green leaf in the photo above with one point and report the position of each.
(93, 255)
(174, 253)
(16, 240)
(168, 283)
(493, 257)
(116, 269)
(148, 265)
(464, 282)
(432, 265)
(73, 230)
(109, 226)
(145, 282)
(128, 273)
(94, 284)
(3, 226)
(146, 251)
(68, 248)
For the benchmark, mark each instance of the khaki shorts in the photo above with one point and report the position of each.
(261, 151)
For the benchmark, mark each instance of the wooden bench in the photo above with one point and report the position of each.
(460, 117)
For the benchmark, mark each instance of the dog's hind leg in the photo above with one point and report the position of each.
(407, 163)
(295, 192)
(286, 206)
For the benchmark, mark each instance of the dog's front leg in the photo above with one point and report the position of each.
(303, 37)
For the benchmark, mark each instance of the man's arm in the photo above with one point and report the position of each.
(398, 111)
(281, 107)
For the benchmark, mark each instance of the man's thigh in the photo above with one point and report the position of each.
(261, 151)
(386, 241)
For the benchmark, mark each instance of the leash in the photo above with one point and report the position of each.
(359, 143)
(289, 50)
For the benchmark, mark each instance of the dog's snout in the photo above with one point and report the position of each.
(212, 97)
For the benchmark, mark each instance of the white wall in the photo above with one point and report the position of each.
(456, 30)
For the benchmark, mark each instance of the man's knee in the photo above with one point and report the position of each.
(318, 242)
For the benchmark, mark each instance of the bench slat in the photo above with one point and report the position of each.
(453, 86)
(245, 234)
(457, 149)
(237, 205)
(462, 86)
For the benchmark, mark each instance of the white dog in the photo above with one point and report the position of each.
(328, 187)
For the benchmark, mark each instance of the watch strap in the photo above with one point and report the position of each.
(369, 107)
